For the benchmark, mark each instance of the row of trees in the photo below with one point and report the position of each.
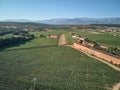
(21, 36)
(22, 33)
(13, 40)
(114, 50)
(111, 50)
(4, 32)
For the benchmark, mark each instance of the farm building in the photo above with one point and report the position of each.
(53, 36)
(104, 47)
(75, 36)
(79, 37)
(83, 38)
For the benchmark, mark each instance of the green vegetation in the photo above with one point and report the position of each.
(100, 37)
(114, 50)
(69, 38)
(6, 36)
(107, 39)
(17, 38)
(55, 67)
(37, 42)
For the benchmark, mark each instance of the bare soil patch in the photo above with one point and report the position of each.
(116, 87)
(94, 32)
(62, 40)
(109, 64)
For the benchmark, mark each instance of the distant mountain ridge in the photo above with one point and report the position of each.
(71, 21)
(83, 21)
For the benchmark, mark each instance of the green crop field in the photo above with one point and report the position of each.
(54, 67)
(104, 38)
(100, 37)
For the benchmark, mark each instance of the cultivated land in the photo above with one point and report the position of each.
(56, 67)
(106, 38)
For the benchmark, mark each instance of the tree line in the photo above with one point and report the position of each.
(13, 40)
(22, 36)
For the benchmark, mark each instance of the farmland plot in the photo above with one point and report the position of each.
(54, 67)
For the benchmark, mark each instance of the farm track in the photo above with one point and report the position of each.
(62, 40)
(112, 66)
(117, 86)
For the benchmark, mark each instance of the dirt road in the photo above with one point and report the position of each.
(116, 87)
(62, 40)
(112, 66)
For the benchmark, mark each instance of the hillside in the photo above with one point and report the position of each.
(82, 21)
(71, 21)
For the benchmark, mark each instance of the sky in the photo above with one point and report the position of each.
(49, 9)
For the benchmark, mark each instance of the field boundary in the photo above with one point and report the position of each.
(115, 87)
(105, 62)
(47, 46)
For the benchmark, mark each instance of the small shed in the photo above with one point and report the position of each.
(53, 36)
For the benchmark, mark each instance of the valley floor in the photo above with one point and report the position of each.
(54, 67)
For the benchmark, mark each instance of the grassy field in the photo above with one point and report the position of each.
(55, 67)
(6, 36)
(100, 37)
(104, 38)
(37, 42)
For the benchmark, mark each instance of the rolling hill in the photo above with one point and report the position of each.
(71, 21)
(82, 21)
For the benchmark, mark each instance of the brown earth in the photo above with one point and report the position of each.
(62, 40)
(116, 87)
(111, 65)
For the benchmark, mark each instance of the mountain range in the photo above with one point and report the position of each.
(71, 21)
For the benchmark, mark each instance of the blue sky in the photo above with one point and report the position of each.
(47, 9)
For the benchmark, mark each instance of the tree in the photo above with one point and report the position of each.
(42, 36)
(114, 50)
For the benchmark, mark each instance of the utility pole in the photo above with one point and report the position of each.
(34, 79)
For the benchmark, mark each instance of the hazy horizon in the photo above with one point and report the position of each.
(56, 18)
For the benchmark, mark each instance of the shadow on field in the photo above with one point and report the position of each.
(9, 46)
(12, 45)
(30, 48)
